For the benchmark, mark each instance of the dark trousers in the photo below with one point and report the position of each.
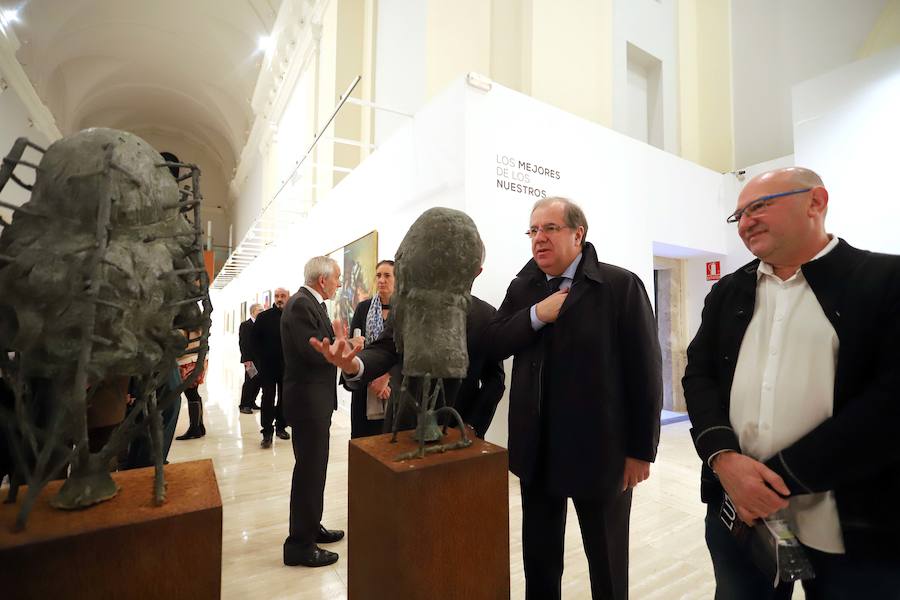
(604, 533)
(311, 443)
(271, 410)
(249, 391)
(838, 576)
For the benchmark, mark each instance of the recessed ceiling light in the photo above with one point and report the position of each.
(11, 15)
(264, 43)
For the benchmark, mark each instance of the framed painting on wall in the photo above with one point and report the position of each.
(358, 271)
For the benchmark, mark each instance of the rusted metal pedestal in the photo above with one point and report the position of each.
(427, 528)
(122, 548)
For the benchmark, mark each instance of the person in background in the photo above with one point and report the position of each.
(268, 357)
(251, 387)
(367, 403)
(187, 364)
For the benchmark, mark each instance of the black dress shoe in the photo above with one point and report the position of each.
(328, 536)
(312, 557)
(283, 434)
(246, 410)
(266, 442)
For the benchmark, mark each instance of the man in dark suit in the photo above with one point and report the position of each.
(585, 399)
(269, 361)
(251, 386)
(792, 389)
(310, 399)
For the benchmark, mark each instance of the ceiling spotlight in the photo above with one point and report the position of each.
(11, 15)
(264, 43)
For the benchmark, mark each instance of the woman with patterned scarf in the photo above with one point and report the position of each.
(367, 405)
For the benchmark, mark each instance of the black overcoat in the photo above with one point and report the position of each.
(855, 452)
(245, 332)
(266, 346)
(586, 391)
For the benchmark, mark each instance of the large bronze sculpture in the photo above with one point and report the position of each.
(101, 273)
(435, 265)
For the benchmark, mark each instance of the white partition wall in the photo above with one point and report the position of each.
(493, 154)
(846, 128)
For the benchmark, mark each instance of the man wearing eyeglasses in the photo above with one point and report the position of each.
(585, 398)
(792, 390)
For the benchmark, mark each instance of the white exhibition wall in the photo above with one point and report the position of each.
(636, 196)
(480, 151)
(846, 127)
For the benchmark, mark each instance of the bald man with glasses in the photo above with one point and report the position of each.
(793, 392)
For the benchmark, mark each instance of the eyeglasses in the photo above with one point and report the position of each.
(549, 229)
(757, 206)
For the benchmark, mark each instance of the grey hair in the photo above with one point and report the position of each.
(255, 305)
(572, 213)
(318, 266)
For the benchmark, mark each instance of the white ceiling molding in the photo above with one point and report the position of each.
(295, 41)
(14, 76)
(189, 67)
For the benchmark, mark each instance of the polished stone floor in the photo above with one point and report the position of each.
(668, 554)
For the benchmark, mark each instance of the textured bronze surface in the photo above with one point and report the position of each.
(124, 548)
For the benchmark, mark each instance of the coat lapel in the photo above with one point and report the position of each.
(324, 323)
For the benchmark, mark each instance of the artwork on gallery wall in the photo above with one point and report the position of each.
(357, 260)
(243, 311)
(266, 300)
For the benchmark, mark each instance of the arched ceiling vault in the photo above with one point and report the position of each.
(185, 68)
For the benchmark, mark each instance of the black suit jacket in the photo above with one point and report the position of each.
(855, 452)
(310, 382)
(266, 345)
(478, 394)
(481, 390)
(587, 390)
(244, 341)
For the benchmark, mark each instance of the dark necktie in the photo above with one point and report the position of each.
(554, 283)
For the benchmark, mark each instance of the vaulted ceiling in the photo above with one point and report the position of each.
(182, 69)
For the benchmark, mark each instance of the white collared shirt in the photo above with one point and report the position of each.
(315, 294)
(784, 387)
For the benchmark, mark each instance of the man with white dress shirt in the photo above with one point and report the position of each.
(792, 390)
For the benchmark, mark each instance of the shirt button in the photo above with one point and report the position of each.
(765, 427)
(767, 386)
(773, 352)
(779, 317)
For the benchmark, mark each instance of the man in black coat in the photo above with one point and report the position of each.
(310, 398)
(251, 386)
(475, 397)
(792, 389)
(269, 361)
(585, 399)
